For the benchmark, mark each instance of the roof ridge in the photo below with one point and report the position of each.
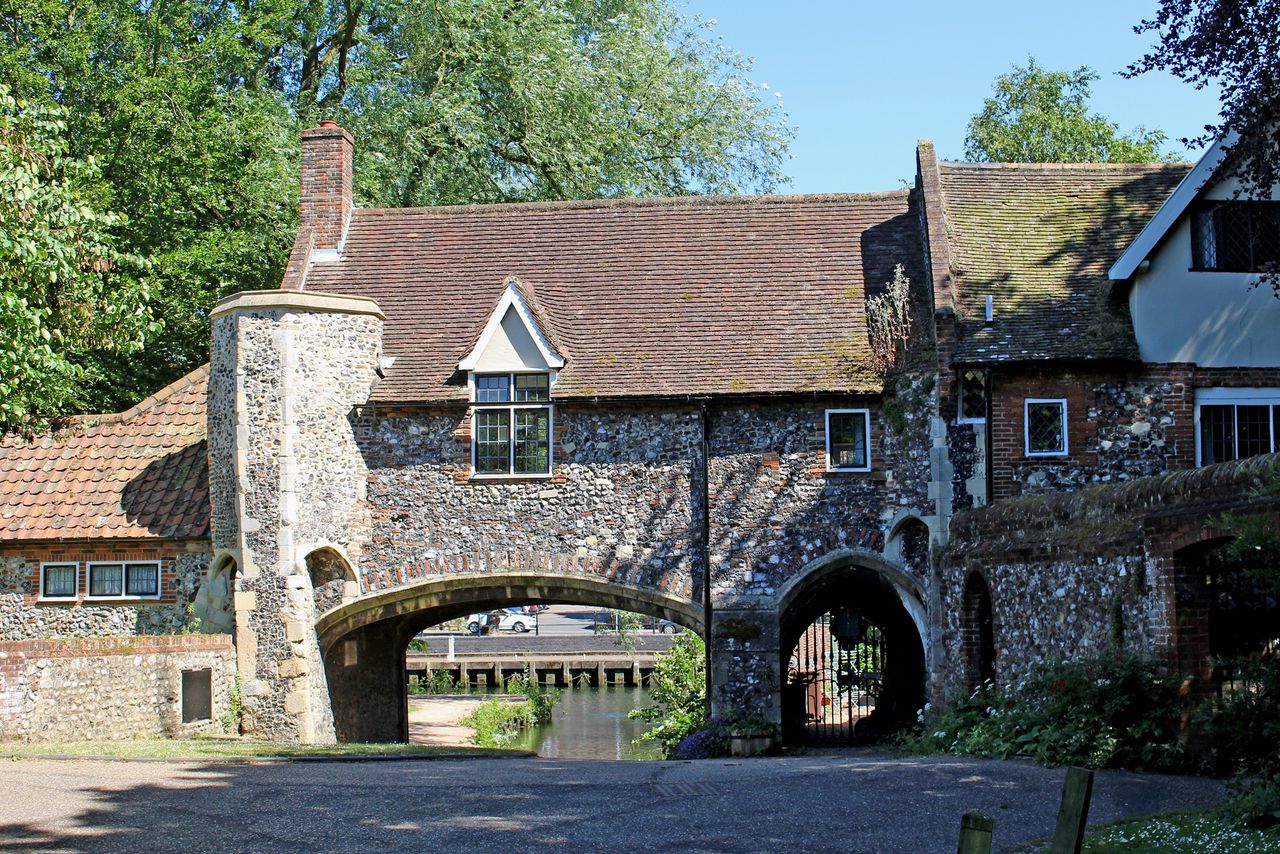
(653, 202)
(108, 418)
(1056, 167)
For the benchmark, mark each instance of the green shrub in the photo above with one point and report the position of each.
(497, 722)
(678, 691)
(1112, 712)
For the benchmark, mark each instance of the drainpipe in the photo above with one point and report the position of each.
(991, 478)
(704, 535)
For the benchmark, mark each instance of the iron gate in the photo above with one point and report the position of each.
(836, 672)
(1244, 621)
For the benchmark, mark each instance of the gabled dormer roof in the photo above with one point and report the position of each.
(513, 299)
(1172, 210)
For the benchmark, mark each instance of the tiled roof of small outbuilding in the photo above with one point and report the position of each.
(140, 474)
(654, 297)
(1039, 239)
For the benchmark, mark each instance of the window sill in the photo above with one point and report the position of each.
(120, 600)
(1058, 456)
(849, 471)
(508, 478)
(56, 600)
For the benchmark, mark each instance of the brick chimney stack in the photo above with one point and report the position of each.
(325, 203)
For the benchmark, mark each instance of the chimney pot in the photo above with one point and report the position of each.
(328, 123)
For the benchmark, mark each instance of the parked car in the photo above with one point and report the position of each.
(504, 619)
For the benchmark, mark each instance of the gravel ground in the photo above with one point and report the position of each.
(854, 802)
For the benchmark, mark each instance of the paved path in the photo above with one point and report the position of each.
(857, 803)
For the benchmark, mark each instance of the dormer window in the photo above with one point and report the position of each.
(511, 424)
(1236, 237)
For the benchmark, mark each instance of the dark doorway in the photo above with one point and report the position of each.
(854, 661)
(977, 633)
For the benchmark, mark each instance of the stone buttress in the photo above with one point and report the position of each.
(286, 480)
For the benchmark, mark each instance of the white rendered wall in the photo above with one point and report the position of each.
(511, 348)
(1216, 320)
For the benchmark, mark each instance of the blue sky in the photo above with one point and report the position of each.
(862, 81)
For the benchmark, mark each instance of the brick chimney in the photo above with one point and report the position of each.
(325, 203)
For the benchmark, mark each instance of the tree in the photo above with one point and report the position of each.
(193, 109)
(64, 287)
(1235, 44)
(1040, 116)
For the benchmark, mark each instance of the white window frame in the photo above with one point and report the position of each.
(1237, 397)
(124, 595)
(961, 418)
(75, 587)
(511, 406)
(1026, 426)
(866, 426)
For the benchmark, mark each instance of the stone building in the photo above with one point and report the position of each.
(673, 406)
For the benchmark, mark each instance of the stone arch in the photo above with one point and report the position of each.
(363, 641)
(909, 543)
(214, 602)
(886, 595)
(977, 632)
(333, 578)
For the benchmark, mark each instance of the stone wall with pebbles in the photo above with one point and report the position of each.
(1113, 568)
(109, 688)
(618, 503)
(624, 501)
(288, 479)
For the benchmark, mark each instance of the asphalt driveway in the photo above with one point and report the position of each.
(851, 803)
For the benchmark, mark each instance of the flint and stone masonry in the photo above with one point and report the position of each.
(287, 371)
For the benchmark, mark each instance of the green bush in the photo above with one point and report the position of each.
(1111, 712)
(678, 690)
(497, 722)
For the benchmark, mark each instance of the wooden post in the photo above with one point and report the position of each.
(975, 833)
(1073, 812)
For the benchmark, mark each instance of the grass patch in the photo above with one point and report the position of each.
(1184, 833)
(499, 721)
(210, 748)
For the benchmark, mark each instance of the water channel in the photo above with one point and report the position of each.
(592, 723)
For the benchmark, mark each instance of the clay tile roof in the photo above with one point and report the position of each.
(1039, 238)
(655, 297)
(138, 474)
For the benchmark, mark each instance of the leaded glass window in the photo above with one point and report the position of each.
(973, 395)
(1046, 427)
(1236, 236)
(512, 424)
(848, 432)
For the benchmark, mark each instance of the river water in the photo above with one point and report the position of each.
(592, 723)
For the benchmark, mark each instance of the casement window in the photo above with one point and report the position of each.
(124, 580)
(973, 396)
(59, 580)
(1045, 427)
(511, 424)
(848, 440)
(1234, 423)
(1236, 237)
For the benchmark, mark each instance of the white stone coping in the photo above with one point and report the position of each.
(296, 301)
